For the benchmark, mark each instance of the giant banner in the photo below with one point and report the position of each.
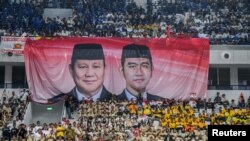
(98, 68)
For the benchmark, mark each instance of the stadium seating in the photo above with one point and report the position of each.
(222, 22)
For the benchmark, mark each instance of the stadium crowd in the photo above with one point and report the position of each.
(223, 21)
(169, 120)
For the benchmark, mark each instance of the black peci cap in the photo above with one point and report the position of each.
(87, 52)
(135, 51)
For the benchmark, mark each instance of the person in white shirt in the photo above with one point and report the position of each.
(39, 135)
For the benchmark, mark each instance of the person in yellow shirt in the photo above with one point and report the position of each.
(189, 118)
(140, 111)
(204, 114)
(59, 131)
(147, 110)
(232, 111)
(195, 123)
(182, 115)
(172, 124)
(175, 110)
(212, 118)
(164, 110)
(132, 108)
(201, 124)
(189, 111)
(184, 123)
(157, 113)
(163, 122)
(179, 125)
(241, 111)
(188, 107)
(167, 113)
(70, 133)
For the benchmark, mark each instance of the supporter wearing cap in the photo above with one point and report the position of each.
(87, 69)
(137, 67)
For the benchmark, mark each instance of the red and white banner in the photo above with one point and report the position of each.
(14, 45)
(180, 66)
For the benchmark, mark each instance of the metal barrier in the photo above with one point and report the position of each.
(14, 85)
(210, 87)
(228, 87)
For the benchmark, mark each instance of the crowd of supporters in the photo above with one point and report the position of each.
(169, 120)
(12, 110)
(222, 21)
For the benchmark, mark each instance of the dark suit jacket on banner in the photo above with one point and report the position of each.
(105, 96)
(123, 96)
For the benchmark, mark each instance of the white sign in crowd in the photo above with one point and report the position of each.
(13, 45)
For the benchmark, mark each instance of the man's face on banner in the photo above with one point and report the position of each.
(137, 73)
(88, 75)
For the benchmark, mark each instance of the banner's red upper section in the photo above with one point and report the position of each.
(180, 66)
